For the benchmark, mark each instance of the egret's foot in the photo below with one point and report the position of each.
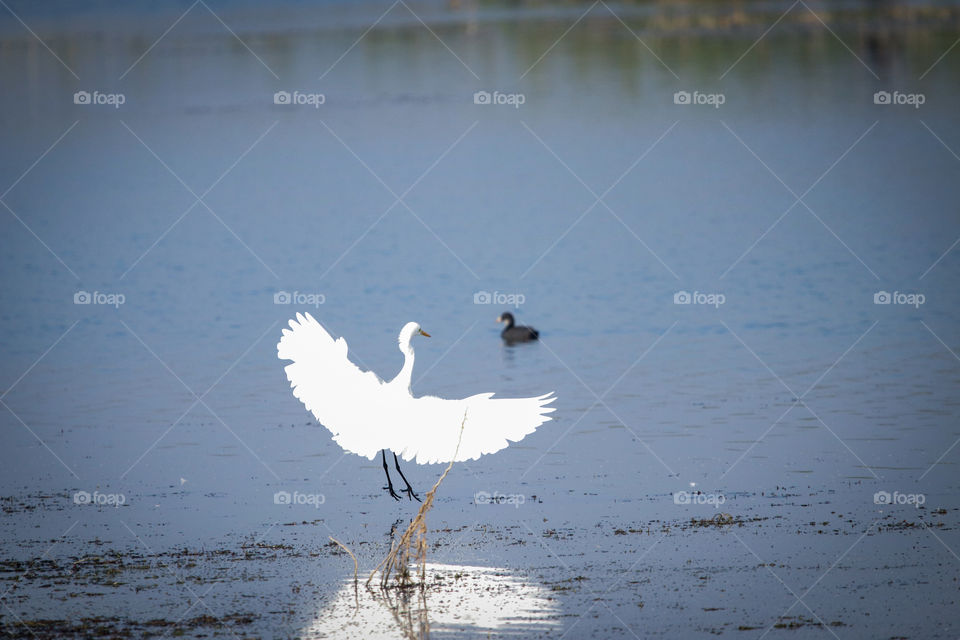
(393, 494)
(389, 487)
(411, 494)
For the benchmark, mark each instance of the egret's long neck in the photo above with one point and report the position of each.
(406, 373)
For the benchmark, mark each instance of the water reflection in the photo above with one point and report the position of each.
(298, 41)
(459, 601)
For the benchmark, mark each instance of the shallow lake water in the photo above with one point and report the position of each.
(742, 267)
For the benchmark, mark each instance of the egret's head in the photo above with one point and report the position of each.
(407, 334)
(507, 317)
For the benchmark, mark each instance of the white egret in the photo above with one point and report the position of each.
(367, 415)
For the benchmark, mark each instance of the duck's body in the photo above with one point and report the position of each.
(513, 333)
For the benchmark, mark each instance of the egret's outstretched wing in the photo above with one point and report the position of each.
(340, 395)
(430, 434)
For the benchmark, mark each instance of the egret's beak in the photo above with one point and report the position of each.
(499, 318)
(424, 333)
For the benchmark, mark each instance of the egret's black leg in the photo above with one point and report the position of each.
(409, 490)
(389, 487)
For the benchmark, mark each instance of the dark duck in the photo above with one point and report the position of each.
(512, 333)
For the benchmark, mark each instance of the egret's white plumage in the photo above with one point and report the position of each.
(366, 414)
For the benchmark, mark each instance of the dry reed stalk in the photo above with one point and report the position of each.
(356, 590)
(415, 537)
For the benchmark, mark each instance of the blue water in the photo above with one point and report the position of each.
(493, 199)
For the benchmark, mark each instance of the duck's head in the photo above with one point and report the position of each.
(506, 317)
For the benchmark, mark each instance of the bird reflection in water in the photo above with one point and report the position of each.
(464, 601)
